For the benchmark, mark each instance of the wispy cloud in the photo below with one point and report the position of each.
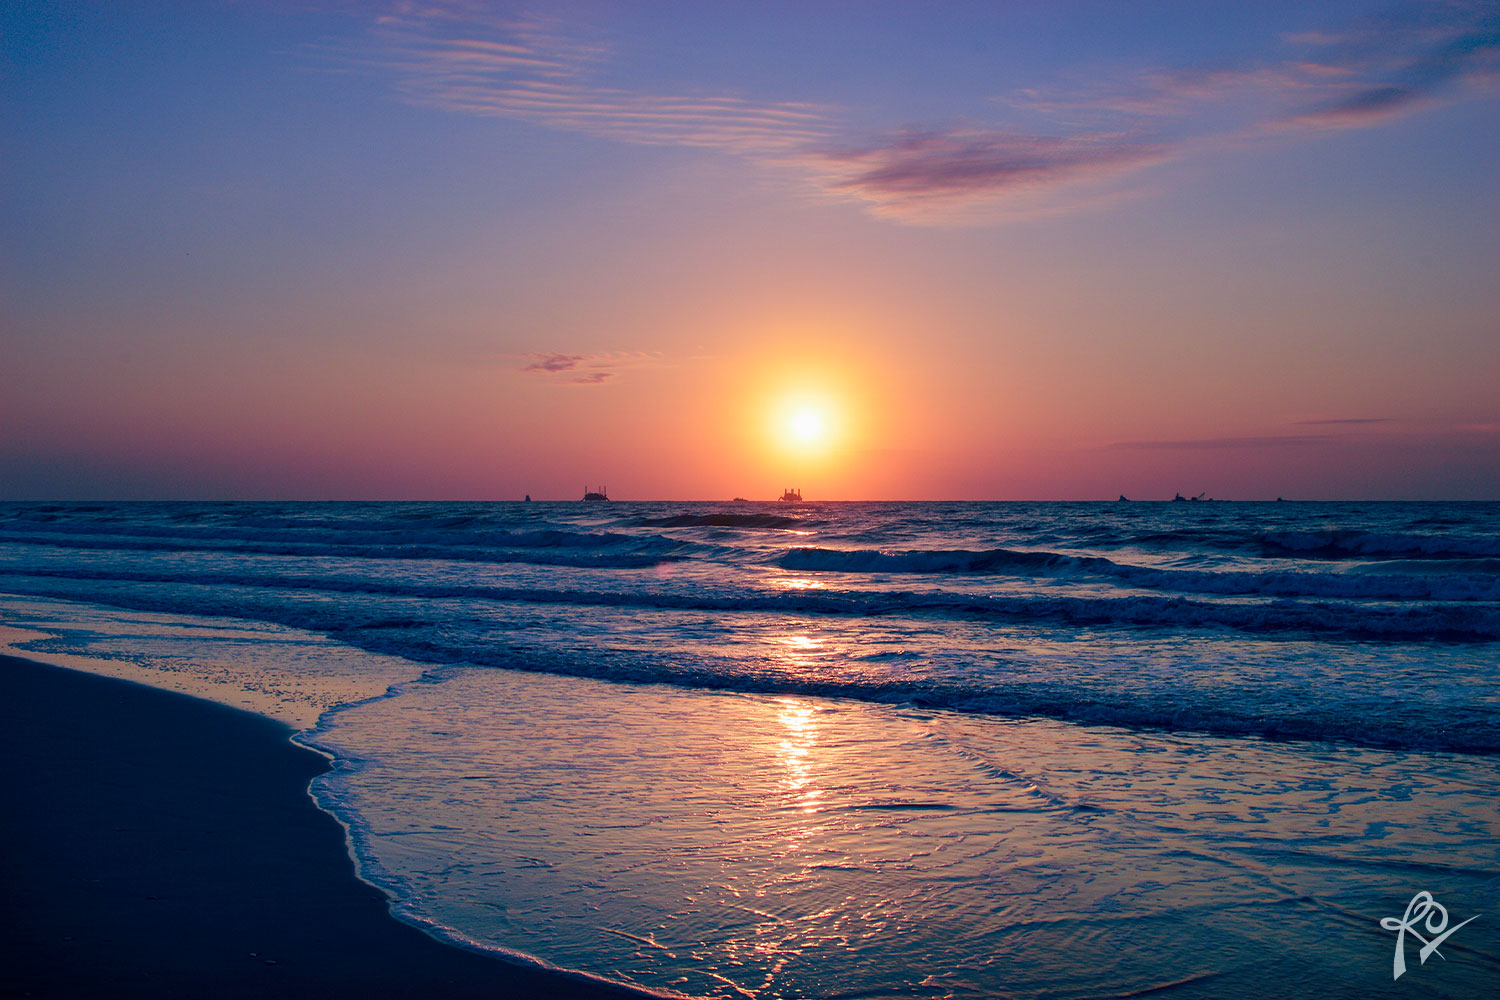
(1381, 66)
(470, 59)
(1265, 441)
(1084, 141)
(931, 175)
(1340, 429)
(1406, 58)
(1166, 93)
(1413, 56)
(582, 369)
(554, 363)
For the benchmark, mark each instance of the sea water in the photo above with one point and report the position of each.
(899, 749)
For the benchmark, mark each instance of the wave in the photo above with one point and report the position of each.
(1323, 619)
(385, 536)
(1468, 583)
(721, 521)
(1280, 716)
(1352, 544)
(1391, 584)
(427, 536)
(1327, 544)
(815, 559)
(1436, 579)
(545, 548)
(1441, 728)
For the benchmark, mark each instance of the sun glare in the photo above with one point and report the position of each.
(808, 419)
(807, 426)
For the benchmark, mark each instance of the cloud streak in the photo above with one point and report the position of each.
(930, 175)
(468, 59)
(1264, 440)
(1406, 59)
(581, 369)
(1213, 444)
(1372, 70)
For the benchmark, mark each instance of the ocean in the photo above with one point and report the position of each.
(853, 749)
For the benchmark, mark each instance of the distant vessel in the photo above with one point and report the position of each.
(1200, 496)
(1123, 499)
(595, 496)
(792, 496)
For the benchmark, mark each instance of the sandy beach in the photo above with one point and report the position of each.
(158, 845)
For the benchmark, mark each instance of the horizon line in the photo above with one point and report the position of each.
(724, 500)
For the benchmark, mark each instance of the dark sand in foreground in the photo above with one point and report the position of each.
(157, 845)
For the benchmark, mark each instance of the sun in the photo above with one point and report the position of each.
(807, 427)
(806, 420)
(805, 424)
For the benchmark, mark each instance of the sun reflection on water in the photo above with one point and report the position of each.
(803, 655)
(798, 583)
(798, 720)
(735, 845)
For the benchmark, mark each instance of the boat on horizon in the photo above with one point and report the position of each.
(791, 496)
(600, 495)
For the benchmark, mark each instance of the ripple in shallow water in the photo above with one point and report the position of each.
(735, 845)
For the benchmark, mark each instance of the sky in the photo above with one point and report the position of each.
(1004, 250)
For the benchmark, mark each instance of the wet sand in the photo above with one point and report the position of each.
(157, 845)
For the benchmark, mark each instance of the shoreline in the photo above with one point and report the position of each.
(159, 844)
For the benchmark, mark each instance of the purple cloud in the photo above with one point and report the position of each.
(555, 363)
(1404, 59)
(961, 162)
(1356, 76)
(916, 173)
(591, 378)
(582, 369)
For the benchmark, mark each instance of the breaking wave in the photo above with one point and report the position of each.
(721, 521)
(1300, 630)
(1449, 622)
(1465, 584)
(1352, 544)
